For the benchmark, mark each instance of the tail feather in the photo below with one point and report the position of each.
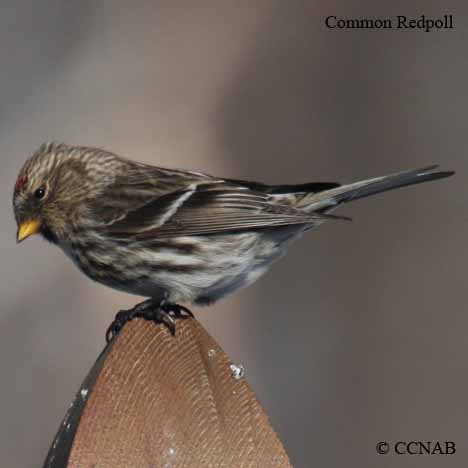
(323, 201)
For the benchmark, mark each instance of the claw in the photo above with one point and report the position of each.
(121, 318)
(177, 309)
(184, 309)
(165, 318)
(110, 333)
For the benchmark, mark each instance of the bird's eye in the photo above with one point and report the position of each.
(39, 193)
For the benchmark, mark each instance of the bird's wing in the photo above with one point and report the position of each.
(134, 187)
(196, 205)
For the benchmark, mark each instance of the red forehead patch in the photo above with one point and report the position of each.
(21, 181)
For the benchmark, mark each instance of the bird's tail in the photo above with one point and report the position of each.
(326, 200)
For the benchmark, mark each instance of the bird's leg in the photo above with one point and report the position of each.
(156, 311)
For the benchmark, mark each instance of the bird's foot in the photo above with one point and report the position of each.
(158, 312)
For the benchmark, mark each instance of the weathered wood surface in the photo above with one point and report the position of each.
(164, 401)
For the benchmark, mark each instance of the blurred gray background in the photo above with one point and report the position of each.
(359, 334)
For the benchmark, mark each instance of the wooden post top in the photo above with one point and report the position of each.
(154, 400)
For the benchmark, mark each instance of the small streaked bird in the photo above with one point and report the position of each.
(172, 236)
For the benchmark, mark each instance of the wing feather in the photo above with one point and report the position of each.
(204, 210)
(191, 205)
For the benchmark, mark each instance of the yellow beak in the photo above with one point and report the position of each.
(26, 229)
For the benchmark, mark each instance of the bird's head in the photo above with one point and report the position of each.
(49, 189)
